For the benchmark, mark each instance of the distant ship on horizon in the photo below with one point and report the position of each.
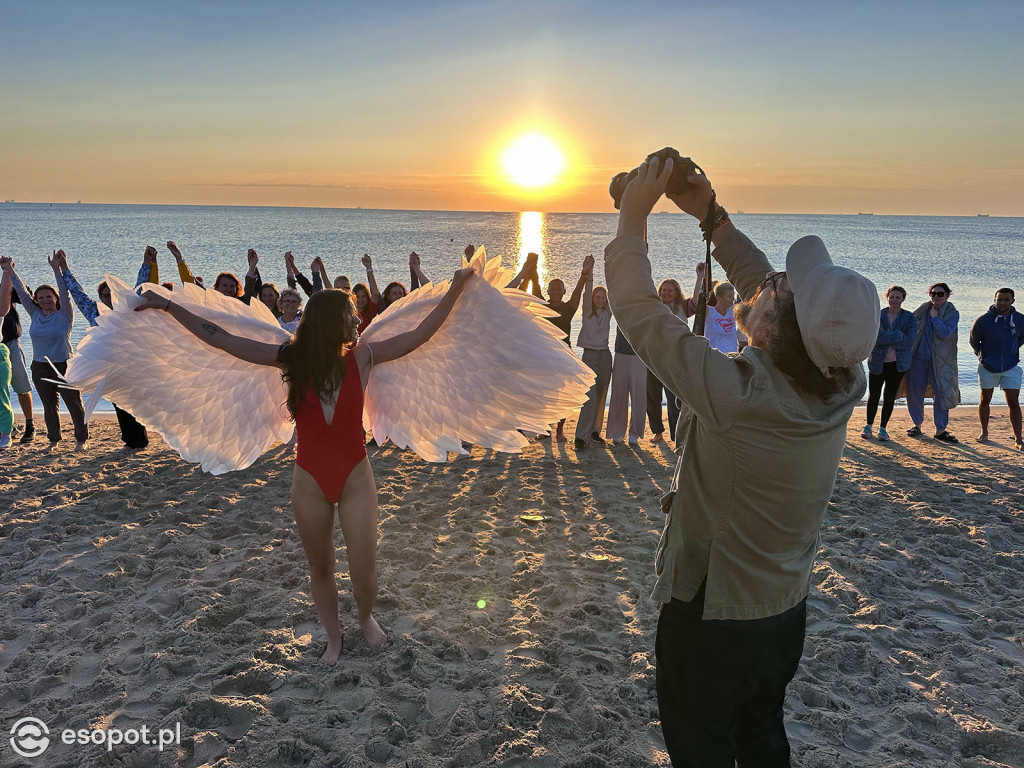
(982, 215)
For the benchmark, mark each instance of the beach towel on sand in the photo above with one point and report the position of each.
(495, 367)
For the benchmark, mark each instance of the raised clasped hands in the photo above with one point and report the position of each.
(6, 263)
(55, 261)
(153, 301)
(588, 264)
(462, 277)
(367, 261)
(253, 257)
(317, 265)
(173, 248)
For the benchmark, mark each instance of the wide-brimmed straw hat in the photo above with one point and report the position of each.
(837, 309)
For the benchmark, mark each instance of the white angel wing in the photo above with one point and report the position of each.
(496, 366)
(209, 406)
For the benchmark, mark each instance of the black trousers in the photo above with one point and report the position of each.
(51, 396)
(890, 378)
(654, 390)
(133, 433)
(721, 685)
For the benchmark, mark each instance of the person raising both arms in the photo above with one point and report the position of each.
(757, 467)
(326, 370)
(52, 319)
(566, 311)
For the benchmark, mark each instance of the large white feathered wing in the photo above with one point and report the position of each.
(496, 366)
(211, 407)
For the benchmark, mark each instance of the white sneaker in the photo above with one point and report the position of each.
(5, 441)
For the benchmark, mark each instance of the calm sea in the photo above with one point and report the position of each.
(974, 255)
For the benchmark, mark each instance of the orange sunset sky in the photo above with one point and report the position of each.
(794, 107)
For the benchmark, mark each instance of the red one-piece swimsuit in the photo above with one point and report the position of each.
(329, 452)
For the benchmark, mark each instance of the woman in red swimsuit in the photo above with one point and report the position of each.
(326, 371)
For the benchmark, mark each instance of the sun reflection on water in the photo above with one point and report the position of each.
(531, 239)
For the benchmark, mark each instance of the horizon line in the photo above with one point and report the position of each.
(453, 210)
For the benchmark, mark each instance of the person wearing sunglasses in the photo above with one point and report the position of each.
(763, 435)
(933, 368)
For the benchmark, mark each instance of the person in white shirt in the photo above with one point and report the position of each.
(720, 324)
(593, 338)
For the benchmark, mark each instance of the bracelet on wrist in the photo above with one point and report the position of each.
(721, 217)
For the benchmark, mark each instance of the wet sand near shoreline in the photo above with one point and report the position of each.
(515, 593)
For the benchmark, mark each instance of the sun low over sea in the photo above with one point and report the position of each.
(974, 255)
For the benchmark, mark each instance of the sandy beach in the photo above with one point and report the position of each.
(140, 591)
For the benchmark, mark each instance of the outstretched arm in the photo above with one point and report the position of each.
(690, 304)
(183, 271)
(24, 297)
(370, 279)
(250, 350)
(86, 305)
(62, 287)
(587, 271)
(148, 271)
(404, 343)
(319, 271)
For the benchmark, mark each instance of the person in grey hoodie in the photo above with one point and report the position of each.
(52, 317)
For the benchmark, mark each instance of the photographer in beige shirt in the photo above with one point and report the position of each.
(763, 437)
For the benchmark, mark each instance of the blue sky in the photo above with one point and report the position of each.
(804, 107)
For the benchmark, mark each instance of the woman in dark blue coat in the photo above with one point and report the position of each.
(890, 359)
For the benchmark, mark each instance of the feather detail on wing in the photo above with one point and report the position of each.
(496, 366)
(211, 407)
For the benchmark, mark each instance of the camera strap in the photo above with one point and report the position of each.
(705, 290)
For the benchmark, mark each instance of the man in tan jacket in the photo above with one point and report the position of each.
(762, 441)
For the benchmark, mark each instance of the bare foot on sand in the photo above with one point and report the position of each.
(982, 438)
(332, 653)
(374, 634)
(1018, 444)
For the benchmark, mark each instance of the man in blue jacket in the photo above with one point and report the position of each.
(996, 339)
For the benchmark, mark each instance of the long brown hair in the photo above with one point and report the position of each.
(316, 355)
(238, 284)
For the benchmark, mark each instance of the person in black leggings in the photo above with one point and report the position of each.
(890, 359)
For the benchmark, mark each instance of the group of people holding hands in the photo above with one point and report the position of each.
(51, 316)
(915, 357)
